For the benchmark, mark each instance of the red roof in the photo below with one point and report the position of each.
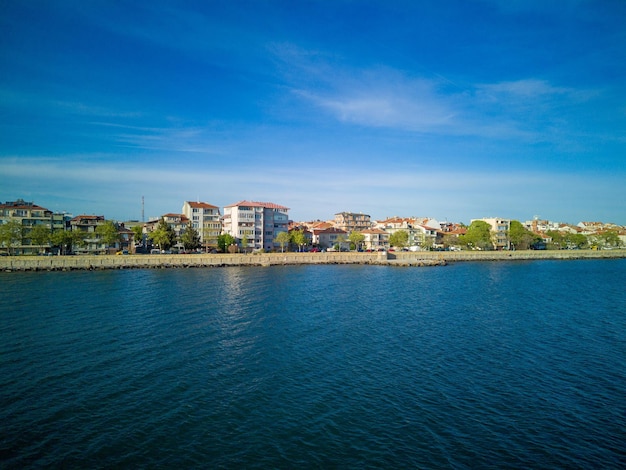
(329, 230)
(266, 205)
(22, 205)
(201, 205)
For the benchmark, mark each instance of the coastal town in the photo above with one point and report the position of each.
(27, 228)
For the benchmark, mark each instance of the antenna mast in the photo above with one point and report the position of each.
(142, 210)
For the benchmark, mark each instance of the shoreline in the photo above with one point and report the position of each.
(404, 259)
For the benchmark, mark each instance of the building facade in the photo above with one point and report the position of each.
(258, 223)
(26, 216)
(499, 232)
(177, 222)
(422, 233)
(330, 238)
(87, 225)
(206, 220)
(352, 222)
(375, 239)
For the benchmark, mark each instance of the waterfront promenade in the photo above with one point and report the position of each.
(433, 258)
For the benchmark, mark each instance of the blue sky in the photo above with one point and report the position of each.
(453, 110)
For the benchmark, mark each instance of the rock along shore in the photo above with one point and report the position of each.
(68, 263)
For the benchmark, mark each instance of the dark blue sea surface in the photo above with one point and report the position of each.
(472, 365)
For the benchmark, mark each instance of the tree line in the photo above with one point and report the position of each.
(478, 236)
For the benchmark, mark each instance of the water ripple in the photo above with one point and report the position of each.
(485, 365)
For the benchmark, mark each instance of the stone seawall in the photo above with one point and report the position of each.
(66, 263)
(510, 255)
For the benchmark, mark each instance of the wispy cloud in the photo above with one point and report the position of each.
(382, 97)
(375, 100)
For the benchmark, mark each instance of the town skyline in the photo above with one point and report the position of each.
(151, 218)
(455, 110)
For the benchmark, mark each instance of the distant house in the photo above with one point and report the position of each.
(259, 223)
(178, 223)
(329, 237)
(375, 239)
(126, 242)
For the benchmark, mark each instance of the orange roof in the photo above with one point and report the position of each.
(373, 230)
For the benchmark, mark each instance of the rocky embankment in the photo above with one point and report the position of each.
(68, 263)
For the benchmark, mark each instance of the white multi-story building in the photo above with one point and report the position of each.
(258, 222)
(422, 232)
(206, 220)
(499, 232)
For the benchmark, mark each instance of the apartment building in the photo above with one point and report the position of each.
(177, 222)
(352, 222)
(29, 215)
(206, 220)
(375, 239)
(423, 232)
(499, 232)
(87, 225)
(257, 222)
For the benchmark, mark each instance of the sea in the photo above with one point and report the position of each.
(510, 364)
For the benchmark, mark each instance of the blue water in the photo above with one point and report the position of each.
(472, 365)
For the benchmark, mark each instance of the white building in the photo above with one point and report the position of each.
(258, 222)
(206, 220)
(499, 232)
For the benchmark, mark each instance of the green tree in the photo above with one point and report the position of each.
(478, 236)
(163, 235)
(40, 235)
(399, 238)
(66, 240)
(610, 238)
(357, 238)
(11, 234)
(282, 239)
(576, 240)
(340, 241)
(450, 240)
(298, 238)
(244, 242)
(520, 237)
(428, 243)
(224, 241)
(108, 233)
(558, 239)
(137, 234)
(190, 239)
